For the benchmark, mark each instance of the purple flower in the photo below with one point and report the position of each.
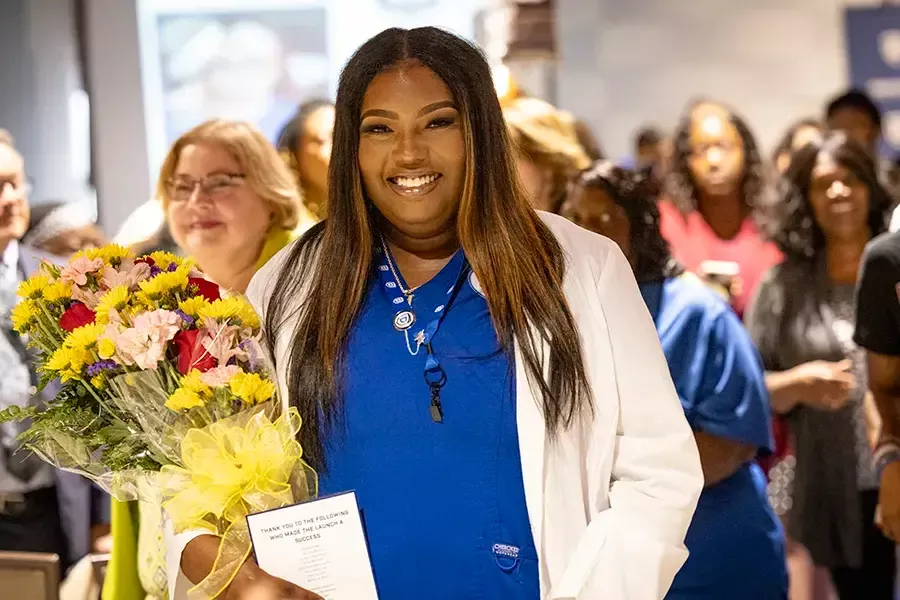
(249, 346)
(188, 320)
(172, 268)
(154, 271)
(100, 366)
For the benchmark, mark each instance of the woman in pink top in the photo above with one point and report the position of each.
(715, 189)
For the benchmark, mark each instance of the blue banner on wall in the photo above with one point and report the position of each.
(873, 47)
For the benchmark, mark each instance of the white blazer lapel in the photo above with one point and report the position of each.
(532, 440)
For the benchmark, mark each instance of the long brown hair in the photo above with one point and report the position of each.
(515, 256)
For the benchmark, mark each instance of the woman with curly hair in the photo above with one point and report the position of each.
(735, 541)
(802, 322)
(716, 186)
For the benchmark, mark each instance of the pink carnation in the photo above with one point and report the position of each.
(144, 344)
(78, 269)
(128, 274)
(220, 376)
(86, 296)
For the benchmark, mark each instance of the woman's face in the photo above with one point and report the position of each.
(537, 182)
(314, 150)
(839, 199)
(596, 211)
(412, 150)
(213, 214)
(716, 156)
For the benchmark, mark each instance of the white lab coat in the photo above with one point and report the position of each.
(611, 498)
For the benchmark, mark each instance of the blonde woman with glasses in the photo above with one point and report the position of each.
(231, 204)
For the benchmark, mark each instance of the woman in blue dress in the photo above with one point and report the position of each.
(735, 540)
(485, 377)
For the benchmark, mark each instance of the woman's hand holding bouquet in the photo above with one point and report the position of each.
(165, 395)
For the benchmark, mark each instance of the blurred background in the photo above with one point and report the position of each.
(94, 90)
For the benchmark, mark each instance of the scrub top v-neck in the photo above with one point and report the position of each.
(443, 503)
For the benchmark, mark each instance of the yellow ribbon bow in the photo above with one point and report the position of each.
(232, 468)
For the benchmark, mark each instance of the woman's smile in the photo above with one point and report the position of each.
(414, 185)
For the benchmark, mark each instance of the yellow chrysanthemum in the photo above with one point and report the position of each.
(113, 254)
(88, 253)
(106, 349)
(59, 360)
(115, 299)
(192, 382)
(67, 363)
(232, 309)
(98, 381)
(84, 337)
(24, 316)
(164, 259)
(184, 399)
(79, 357)
(165, 283)
(192, 306)
(57, 291)
(33, 287)
(251, 388)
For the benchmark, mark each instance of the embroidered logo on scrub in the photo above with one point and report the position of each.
(506, 556)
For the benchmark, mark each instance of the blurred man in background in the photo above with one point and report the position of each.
(41, 509)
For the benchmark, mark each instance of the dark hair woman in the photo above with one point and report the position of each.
(735, 540)
(798, 135)
(716, 187)
(305, 144)
(545, 447)
(802, 321)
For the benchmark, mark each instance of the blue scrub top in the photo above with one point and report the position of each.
(443, 503)
(735, 541)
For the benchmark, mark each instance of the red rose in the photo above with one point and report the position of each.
(146, 260)
(191, 354)
(205, 288)
(77, 316)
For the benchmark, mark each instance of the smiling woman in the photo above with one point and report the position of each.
(231, 204)
(802, 322)
(228, 196)
(468, 367)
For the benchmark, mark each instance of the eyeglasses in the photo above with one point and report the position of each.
(16, 185)
(217, 185)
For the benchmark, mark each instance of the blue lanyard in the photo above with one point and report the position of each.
(405, 317)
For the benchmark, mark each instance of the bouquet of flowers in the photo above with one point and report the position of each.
(164, 394)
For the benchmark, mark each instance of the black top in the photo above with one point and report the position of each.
(878, 297)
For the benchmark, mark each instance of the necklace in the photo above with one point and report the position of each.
(408, 294)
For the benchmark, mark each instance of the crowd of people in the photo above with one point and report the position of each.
(764, 286)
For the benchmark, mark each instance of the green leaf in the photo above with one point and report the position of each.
(46, 378)
(17, 413)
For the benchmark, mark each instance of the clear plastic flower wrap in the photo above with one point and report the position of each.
(163, 395)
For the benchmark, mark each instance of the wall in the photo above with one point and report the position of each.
(126, 161)
(628, 63)
(40, 76)
(120, 140)
(622, 64)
